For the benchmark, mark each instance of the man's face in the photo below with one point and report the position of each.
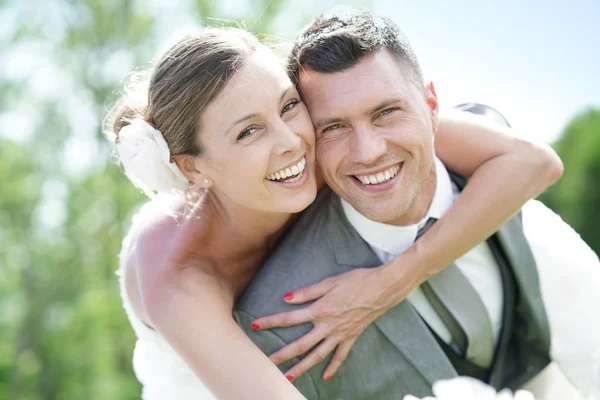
(375, 129)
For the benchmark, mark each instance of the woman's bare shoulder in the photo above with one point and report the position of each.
(163, 230)
(163, 241)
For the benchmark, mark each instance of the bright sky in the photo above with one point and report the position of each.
(537, 62)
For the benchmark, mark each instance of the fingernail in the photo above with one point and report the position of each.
(328, 378)
(433, 89)
(255, 326)
(290, 377)
(288, 296)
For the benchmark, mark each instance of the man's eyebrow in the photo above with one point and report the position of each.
(327, 121)
(387, 103)
(250, 116)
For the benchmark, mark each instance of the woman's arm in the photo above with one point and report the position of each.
(193, 313)
(504, 172)
(175, 292)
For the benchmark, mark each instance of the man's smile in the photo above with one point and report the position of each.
(378, 181)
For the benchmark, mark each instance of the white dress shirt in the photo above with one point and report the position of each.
(568, 269)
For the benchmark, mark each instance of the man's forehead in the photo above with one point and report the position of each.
(380, 67)
(348, 92)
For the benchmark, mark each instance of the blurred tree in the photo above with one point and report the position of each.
(64, 334)
(63, 208)
(576, 197)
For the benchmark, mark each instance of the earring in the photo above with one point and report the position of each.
(206, 181)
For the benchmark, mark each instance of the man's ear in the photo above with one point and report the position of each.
(432, 103)
(189, 167)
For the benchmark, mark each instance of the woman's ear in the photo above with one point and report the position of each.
(432, 103)
(189, 167)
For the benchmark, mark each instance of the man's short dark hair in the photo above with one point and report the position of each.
(338, 39)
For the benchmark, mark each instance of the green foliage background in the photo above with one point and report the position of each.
(576, 197)
(65, 207)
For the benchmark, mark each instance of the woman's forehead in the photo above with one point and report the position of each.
(256, 87)
(260, 76)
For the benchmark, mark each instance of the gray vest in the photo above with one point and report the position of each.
(524, 345)
(397, 354)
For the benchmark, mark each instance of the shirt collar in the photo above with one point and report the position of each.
(396, 239)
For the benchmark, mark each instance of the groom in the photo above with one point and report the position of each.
(485, 320)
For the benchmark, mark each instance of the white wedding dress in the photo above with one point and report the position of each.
(161, 371)
(571, 296)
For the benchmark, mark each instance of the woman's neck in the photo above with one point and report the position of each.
(240, 238)
(253, 228)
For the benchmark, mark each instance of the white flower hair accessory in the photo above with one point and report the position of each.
(146, 158)
(467, 388)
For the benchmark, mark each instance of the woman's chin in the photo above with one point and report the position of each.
(305, 204)
(299, 201)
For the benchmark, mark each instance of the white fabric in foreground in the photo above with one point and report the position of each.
(466, 388)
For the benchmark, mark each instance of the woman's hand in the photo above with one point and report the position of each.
(345, 305)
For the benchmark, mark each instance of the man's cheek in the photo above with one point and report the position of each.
(324, 153)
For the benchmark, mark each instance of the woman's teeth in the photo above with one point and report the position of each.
(380, 177)
(291, 174)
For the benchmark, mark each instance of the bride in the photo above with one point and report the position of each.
(206, 137)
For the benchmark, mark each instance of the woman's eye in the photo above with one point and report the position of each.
(247, 132)
(289, 106)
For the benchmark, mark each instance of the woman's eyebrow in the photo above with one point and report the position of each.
(250, 116)
(244, 118)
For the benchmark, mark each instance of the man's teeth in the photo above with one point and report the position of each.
(379, 177)
(286, 173)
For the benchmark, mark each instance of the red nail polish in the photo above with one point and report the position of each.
(288, 296)
(255, 326)
(433, 89)
(290, 377)
(327, 378)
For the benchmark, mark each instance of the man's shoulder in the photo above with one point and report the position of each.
(317, 218)
(304, 256)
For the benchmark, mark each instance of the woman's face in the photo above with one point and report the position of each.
(258, 140)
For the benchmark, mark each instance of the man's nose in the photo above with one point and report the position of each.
(366, 145)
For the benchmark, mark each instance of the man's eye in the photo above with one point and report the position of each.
(387, 111)
(247, 132)
(289, 106)
(332, 127)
